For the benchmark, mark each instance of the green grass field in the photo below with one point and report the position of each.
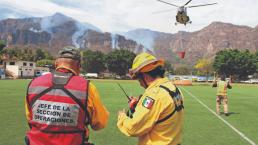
(201, 126)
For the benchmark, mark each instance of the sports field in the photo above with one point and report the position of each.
(201, 126)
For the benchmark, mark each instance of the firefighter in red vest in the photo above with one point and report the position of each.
(61, 105)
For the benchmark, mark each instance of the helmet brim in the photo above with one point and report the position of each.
(146, 68)
(152, 66)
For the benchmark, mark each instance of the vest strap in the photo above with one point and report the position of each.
(27, 98)
(63, 132)
(39, 95)
(177, 108)
(59, 132)
(87, 116)
(85, 137)
(74, 98)
(167, 117)
(60, 80)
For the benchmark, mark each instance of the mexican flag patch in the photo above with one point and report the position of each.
(147, 102)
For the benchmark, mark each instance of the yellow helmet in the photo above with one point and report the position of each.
(144, 62)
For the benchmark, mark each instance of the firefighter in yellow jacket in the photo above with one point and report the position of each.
(222, 94)
(158, 116)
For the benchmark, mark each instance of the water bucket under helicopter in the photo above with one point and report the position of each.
(181, 54)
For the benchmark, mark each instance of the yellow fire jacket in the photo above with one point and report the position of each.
(222, 88)
(155, 105)
(97, 111)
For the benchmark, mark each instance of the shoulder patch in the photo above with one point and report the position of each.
(148, 102)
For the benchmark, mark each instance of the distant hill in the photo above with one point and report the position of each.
(54, 32)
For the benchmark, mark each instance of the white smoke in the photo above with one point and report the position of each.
(35, 30)
(142, 36)
(82, 30)
(47, 23)
(114, 40)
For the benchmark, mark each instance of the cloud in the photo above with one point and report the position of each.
(124, 15)
(9, 12)
(83, 5)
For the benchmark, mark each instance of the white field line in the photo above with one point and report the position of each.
(227, 123)
(246, 98)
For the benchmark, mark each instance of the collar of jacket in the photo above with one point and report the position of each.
(63, 70)
(157, 82)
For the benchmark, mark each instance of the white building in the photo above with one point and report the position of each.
(17, 68)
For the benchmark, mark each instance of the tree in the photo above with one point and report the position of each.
(93, 61)
(19, 54)
(45, 62)
(182, 70)
(204, 66)
(39, 55)
(235, 62)
(168, 67)
(2, 45)
(12, 53)
(26, 54)
(119, 61)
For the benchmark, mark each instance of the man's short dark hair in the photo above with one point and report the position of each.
(157, 72)
(223, 77)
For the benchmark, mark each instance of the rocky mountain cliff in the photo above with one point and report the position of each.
(56, 31)
(203, 43)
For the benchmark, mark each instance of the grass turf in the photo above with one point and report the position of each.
(201, 127)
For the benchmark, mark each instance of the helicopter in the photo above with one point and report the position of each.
(182, 17)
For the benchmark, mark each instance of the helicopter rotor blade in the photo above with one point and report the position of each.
(187, 2)
(163, 11)
(167, 3)
(201, 5)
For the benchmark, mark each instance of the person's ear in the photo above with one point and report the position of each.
(79, 64)
(56, 62)
(146, 77)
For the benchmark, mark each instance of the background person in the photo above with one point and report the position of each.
(222, 86)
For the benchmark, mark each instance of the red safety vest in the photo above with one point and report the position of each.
(57, 104)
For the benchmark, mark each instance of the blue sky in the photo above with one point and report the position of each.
(125, 15)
